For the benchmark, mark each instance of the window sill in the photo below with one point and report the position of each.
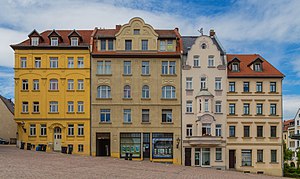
(196, 66)
(218, 90)
(80, 90)
(232, 92)
(219, 113)
(105, 122)
(189, 113)
(103, 74)
(273, 115)
(70, 90)
(273, 137)
(259, 115)
(259, 92)
(145, 75)
(146, 123)
(165, 75)
(53, 112)
(273, 162)
(232, 115)
(32, 136)
(167, 123)
(250, 166)
(70, 112)
(246, 137)
(103, 98)
(219, 161)
(71, 136)
(211, 66)
(260, 162)
(127, 98)
(273, 92)
(53, 90)
(126, 74)
(259, 137)
(81, 136)
(231, 137)
(35, 90)
(80, 112)
(146, 99)
(35, 113)
(24, 112)
(189, 89)
(171, 99)
(246, 92)
(127, 123)
(246, 114)
(24, 90)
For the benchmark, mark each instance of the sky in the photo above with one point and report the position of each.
(270, 28)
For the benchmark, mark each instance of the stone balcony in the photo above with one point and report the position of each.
(206, 140)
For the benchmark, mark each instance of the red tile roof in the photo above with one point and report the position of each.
(246, 71)
(286, 124)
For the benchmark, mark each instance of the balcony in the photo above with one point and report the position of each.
(295, 136)
(206, 140)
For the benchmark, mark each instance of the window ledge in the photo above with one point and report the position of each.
(171, 99)
(232, 92)
(273, 137)
(260, 162)
(259, 137)
(168, 75)
(35, 113)
(211, 66)
(71, 136)
(246, 92)
(127, 74)
(24, 112)
(259, 92)
(53, 90)
(35, 90)
(24, 90)
(196, 66)
(103, 74)
(273, 92)
(146, 123)
(32, 136)
(53, 112)
(231, 137)
(189, 113)
(219, 90)
(127, 98)
(250, 166)
(146, 99)
(80, 90)
(246, 114)
(232, 115)
(81, 136)
(127, 123)
(70, 112)
(69, 90)
(43, 136)
(246, 137)
(189, 89)
(80, 112)
(273, 162)
(145, 75)
(219, 161)
(219, 113)
(167, 123)
(259, 115)
(273, 115)
(103, 98)
(105, 122)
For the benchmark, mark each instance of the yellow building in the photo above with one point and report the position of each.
(52, 90)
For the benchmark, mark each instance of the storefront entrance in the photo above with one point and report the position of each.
(57, 139)
(197, 157)
(231, 159)
(103, 144)
(187, 156)
(146, 145)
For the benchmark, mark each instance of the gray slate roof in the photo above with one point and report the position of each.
(8, 103)
(188, 41)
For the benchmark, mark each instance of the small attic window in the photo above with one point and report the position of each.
(136, 31)
(257, 66)
(54, 41)
(35, 41)
(74, 41)
(203, 46)
(235, 67)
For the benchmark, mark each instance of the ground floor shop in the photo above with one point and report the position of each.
(68, 136)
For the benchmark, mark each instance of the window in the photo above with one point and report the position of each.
(274, 156)
(80, 106)
(211, 61)
(203, 83)
(246, 131)
(127, 115)
(205, 156)
(43, 129)
(144, 44)
(37, 62)
(189, 106)
(53, 84)
(260, 156)
(53, 62)
(168, 67)
(127, 67)
(145, 68)
(260, 131)
(128, 45)
(104, 115)
(74, 41)
(246, 108)
(53, 106)
(189, 83)
(25, 85)
(70, 84)
(54, 41)
(218, 154)
(81, 129)
(206, 129)
(189, 130)
(203, 46)
(167, 115)
(80, 148)
(103, 45)
(70, 106)
(145, 115)
(136, 31)
(110, 44)
(219, 130)
(257, 67)
(127, 91)
(273, 131)
(80, 62)
(259, 109)
(145, 92)
(246, 157)
(196, 61)
(23, 62)
(103, 92)
(25, 107)
(206, 105)
(259, 87)
(162, 45)
(246, 87)
(36, 85)
(272, 109)
(36, 107)
(103, 67)
(231, 131)
(32, 131)
(235, 67)
(218, 83)
(34, 41)
(70, 62)
(168, 92)
(272, 87)
(169, 45)
(231, 86)
(80, 85)
(231, 109)
(71, 129)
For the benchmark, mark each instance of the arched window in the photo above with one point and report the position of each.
(168, 92)
(127, 91)
(203, 46)
(53, 84)
(103, 91)
(145, 91)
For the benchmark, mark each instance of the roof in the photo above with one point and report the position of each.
(246, 71)
(188, 42)
(8, 103)
(287, 124)
(45, 42)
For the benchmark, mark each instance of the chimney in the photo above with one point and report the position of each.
(118, 27)
(212, 32)
(177, 29)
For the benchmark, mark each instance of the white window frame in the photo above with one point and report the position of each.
(219, 130)
(80, 106)
(80, 129)
(127, 116)
(36, 107)
(70, 84)
(35, 41)
(189, 83)
(145, 67)
(104, 67)
(23, 62)
(218, 83)
(80, 62)
(70, 62)
(145, 92)
(196, 61)
(189, 130)
(70, 129)
(211, 61)
(168, 68)
(74, 41)
(32, 130)
(53, 84)
(80, 147)
(53, 106)
(54, 41)
(203, 83)
(36, 84)
(43, 130)
(105, 112)
(218, 107)
(53, 62)
(103, 91)
(70, 106)
(80, 84)
(25, 106)
(189, 106)
(167, 114)
(127, 68)
(37, 62)
(168, 92)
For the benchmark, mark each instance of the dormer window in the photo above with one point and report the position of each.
(257, 67)
(203, 46)
(34, 41)
(74, 41)
(235, 66)
(136, 31)
(54, 41)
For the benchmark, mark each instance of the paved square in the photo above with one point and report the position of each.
(16, 163)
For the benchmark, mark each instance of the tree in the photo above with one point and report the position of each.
(298, 158)
(288, 153)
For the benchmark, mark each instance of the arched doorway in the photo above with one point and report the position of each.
(57, 139)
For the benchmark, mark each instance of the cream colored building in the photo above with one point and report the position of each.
(8, 127)
(136, 100)
(204, 79)
(254, 115)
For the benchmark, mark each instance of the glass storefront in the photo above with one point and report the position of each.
(197, 156)
(130, 143)
(205, 156)
(162, 145)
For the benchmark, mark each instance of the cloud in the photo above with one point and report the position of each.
(291, 104)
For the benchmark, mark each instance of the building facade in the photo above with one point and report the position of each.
(8, 127)
(254, 117)
(52, 90)
(204, 79)
(136, 100)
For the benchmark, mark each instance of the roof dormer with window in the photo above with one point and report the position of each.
(256, 65)
(35, 38)
(234, 65)
(55, 38)
(74, 38)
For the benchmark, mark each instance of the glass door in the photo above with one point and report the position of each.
(205, 156)
(197, 156)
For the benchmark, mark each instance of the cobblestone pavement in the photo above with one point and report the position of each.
(16, 163)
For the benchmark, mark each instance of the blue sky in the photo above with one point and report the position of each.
(269, 27)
